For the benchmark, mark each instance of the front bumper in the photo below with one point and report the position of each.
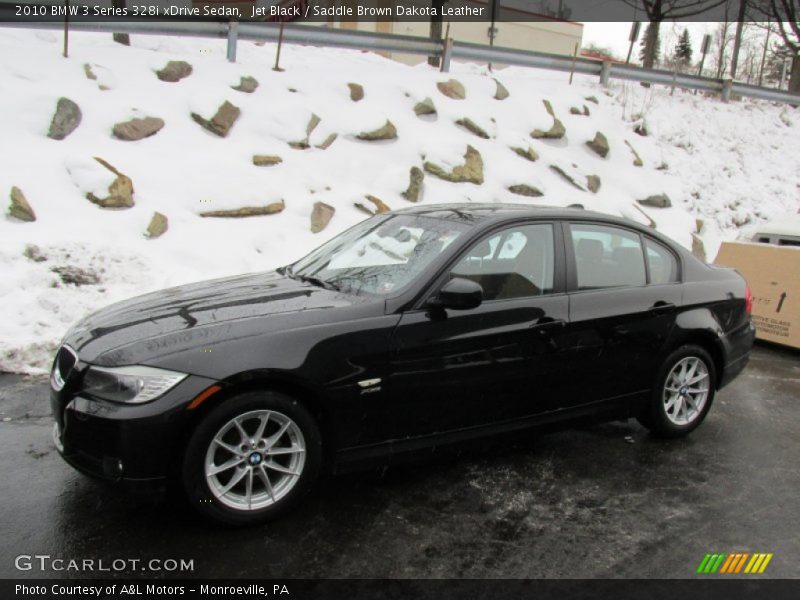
(120, 442)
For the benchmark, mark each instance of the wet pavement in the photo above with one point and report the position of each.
(599, 501)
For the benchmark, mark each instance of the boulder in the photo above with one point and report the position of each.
(174, 70)
(246, 211)
(76, 276)
(87, 69)
(698, 224)
(698, 247)
(452, 89)
(523, 189)
(312, 124)
(414, 191)
(556, 132)
(656, 201)
(641, 129)
(501, 93)
(593, 183)
(472, 127)
(592, 99)
(637, 160)
(387, 132)
(221, 123)
(19, 207)
(137, 129)
(120, 192)
(599, 145)
(65, 120)
(424, 107)
(567, 177)
(581, 112)
(247, 84)
(266, 160)
(380, 205)
(470, 172)
(527, 153)
(356, 92)
(363, 208)
(650, 222)
(549, 108)
(300, 144)
(158, 226)
(321, 215)
(328, 141)
(34, 253)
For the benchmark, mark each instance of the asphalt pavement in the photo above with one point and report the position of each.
(599, 501)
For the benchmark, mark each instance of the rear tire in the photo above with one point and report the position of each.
(252, 458)
(683, 393)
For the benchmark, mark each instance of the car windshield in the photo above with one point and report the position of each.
(379, 256)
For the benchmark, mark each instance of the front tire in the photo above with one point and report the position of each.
(252, 458)
(682, 396)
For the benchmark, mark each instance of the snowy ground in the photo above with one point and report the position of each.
(728, 164)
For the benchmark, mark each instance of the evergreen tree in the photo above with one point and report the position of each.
(643, 45)
(683, 50)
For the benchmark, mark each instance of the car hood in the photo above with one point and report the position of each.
(184, 315)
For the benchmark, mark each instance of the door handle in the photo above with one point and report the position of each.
(547, 323)
(661, 307)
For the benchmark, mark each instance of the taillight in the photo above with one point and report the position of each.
(748, 300)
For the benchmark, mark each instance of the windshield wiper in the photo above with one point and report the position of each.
(316, 281)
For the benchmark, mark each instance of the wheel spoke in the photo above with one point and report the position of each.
(234, 480)
(273, 439)
(242, 432)
(697, 379)
(232, 449)
(671, 402)
(280, 468)
(264, 476)
(217, 469)
(291, 450)
(261, 427)
(677, 407)
(249, 488)
(692, 369)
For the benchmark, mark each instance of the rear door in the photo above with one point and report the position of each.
(498, 362)
(624, 291)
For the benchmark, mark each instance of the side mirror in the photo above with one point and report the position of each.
(459, 294)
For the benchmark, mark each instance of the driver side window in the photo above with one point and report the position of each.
(515, 263)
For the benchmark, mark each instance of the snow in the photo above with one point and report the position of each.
(728, 164)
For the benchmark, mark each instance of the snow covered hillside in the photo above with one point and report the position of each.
(304, 136)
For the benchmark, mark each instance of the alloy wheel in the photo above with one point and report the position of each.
(686, 390)
(255, 460)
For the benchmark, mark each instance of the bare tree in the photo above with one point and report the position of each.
(658, 11)
(786, 15)
(436, 29)
(737, 40)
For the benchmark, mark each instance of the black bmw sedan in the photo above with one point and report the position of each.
(413, 329)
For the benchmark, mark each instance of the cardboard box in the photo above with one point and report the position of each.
(773, 273)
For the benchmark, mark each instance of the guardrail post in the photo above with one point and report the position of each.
(727, 87)
(233, 36)
(447, 54)
(605, 73)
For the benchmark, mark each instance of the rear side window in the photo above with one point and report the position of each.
(662, 263)
(607, 257)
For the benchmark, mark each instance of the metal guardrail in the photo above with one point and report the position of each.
(446, 49)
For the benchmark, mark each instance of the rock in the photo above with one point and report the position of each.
(312, 124)
(175, 70)
(581, 112)
(656, 201)
(650, 222)
(593, 183)
(363, 208)
(452, 89)
(380, 205)
(87, 68)
(637, 161)
(567, 177)
(247, 84)
(425, 107)
(34, 253)
(266, 160)
(120, 192)
(470, 172)
(556, 132)
(698, 224)
(641, 129)
(19, 207)
(524, 189)
(321, 216)
(414, 191)
(138, 129)
(526, 153)
(599, 144)
(586, 112)
(221, 123)
(246, 211)
(471, 126)
(328, 141)
(575, 111)
(158, 226)
(387, 132)
(501, 93)
(356, 92)
(300, 145)
(576, 206)
(698, 247)
(549, 108)
(66, 120)
(76, 276)
(592, 99)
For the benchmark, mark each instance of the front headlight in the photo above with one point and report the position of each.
(132, 385)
